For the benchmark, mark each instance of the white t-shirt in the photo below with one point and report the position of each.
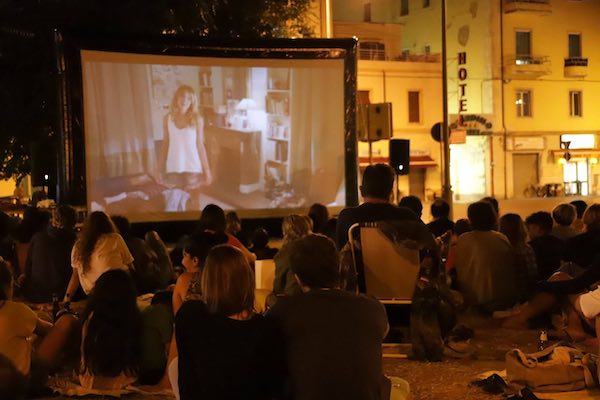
(590, 303)
(110, 252)
(17, 322)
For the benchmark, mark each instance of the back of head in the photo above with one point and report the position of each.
(96, 225)
(227, 282)
(199, 244)
(512, 226)
(122, 224)
(493, 202)
(260, 238)
(378, 181)
(564, 214)
(580, 206)
(233, 222)
(64, 216)
(591, 218)
(6, 279)
(413, 203)
(294, 227)
(111, 345)
(314, 259)
(319, 215)
(440, 208)
(213, 218)
(13, 385)
(542, 219)
(461, 226)
(482, 216)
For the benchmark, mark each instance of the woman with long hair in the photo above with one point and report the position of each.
(99, 249)
(183, 155)
(513, 227)
(110, 338)
(294, 227)
(226, 350)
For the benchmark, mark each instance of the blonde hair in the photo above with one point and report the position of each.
(192, 112)
(227, 281)
(294, 227)
(591, 218)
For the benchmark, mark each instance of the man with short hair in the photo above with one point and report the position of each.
(440, 211)
(376, 190)
(564, 214)
(548, 249)
(48, 266)
(332, 337)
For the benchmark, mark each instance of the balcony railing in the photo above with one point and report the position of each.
(539, 6)
(576, 67)
(382, 55)
(372, 54)
(576, 62)
(527, 65)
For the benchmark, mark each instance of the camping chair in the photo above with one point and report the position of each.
(390, 268)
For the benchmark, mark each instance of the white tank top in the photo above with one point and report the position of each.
(183, 150)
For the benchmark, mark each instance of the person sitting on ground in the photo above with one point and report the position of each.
(548, 249)
(226, 351)
(294, 227)
(145, 263)
(494, 202)
(233, 227)
(111, 333)
(583, 248)
(513, 227)
(485, 268)
(195, 252)
(440, 210)
(333, 338)
(48, 265)
(260, 245)
(13, 385)
(564, 215)
(166, 274)
(213, 219)
(157, 331)
(413, 203)
(376, 190)
(461, 226)
(321, 219)
(580, 206)
(99, 249)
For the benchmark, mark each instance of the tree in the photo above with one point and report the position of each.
(28, 115)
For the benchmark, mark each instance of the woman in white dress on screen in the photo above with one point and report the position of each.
(183, 156)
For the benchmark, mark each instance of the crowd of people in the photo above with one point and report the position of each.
(201, 336)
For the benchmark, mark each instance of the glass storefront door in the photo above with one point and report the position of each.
(468, 168)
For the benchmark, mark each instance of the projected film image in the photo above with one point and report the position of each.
(172, 134)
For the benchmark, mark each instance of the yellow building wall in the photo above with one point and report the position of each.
(353, 10)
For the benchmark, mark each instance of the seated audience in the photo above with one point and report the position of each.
(548, 249)
(111, 332)
(413, 203)
(583, 248)
(157, 331)
(485, 267)
(461, 226)
(7, 242)
(440, 210)
(333, 338)
(145, 270)
(233, 226)
(512, 226)
(165, 266)
(213, 219)
(195, 251)
(260, 245)
(494, 202)
(564, 215)
(376, 190)
(226, 351)
(580, 206)
(294, 227)
(322, 222)
(99, 249)
(48, 266)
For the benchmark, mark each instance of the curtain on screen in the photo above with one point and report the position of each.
(119, 140)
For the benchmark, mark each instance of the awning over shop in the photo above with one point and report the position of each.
(421, 161)
(579, 153)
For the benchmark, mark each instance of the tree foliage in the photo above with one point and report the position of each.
(28, 94)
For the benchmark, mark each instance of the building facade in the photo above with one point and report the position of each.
(523, 89)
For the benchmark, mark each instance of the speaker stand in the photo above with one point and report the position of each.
(397, 189)
(370, 152)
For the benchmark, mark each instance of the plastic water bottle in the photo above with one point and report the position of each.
(543, 341)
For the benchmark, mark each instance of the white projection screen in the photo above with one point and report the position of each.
(166, 135)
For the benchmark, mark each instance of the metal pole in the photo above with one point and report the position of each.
(446, 187)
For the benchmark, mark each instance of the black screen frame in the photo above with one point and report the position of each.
(71, 177)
